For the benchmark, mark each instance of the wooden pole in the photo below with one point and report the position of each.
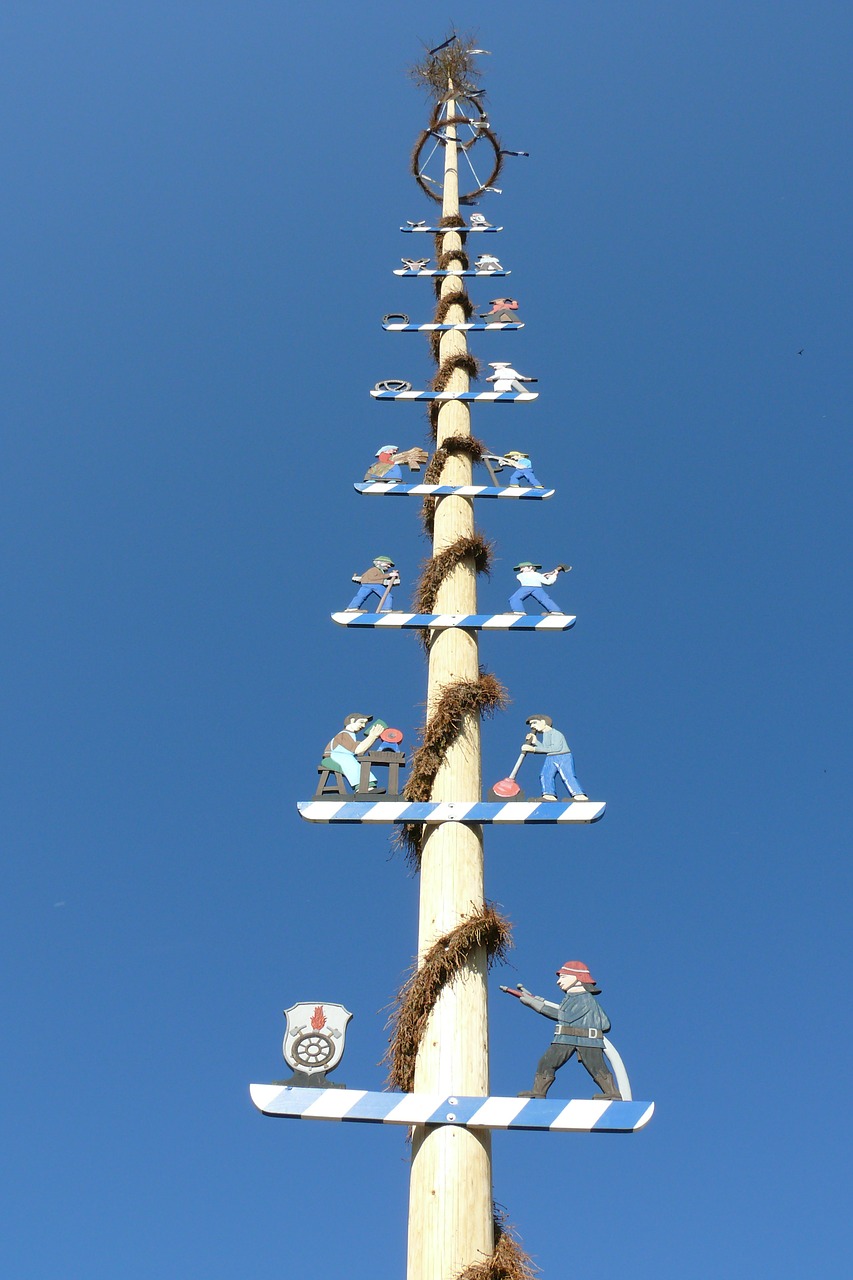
(450, 1190)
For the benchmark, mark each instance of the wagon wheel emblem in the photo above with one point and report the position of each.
(313, 1049)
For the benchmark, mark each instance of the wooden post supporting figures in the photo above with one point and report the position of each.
(450, 1192)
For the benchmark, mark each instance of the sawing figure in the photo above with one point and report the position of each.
(377, 580)
(581, 1024)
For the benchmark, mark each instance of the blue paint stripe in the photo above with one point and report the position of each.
(374, 1107)
(461, 1108)
(620, 1116)
(538, 1113)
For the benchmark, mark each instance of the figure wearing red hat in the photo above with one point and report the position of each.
(581, 1024)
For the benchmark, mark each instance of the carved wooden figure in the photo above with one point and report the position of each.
(377, 580)
(487, 262)
(415, 264)
(353, 752)
(544, 739)
(580, 1029)
(501, 311)
(522, 467)
(532, 581)
(506, 378)
(390, 459)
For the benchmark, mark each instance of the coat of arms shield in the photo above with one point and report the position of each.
(314, 1037)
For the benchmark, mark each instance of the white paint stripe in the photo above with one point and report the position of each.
(582, 811)
(500, 621)
(515, 812)
(415, 1108)
(393, 808)
(580, 1114)
(264, 1094)
(394, 619)
(376, 812)
(555, 622)
(497, 1113)
(333, 1103)
(322, 810)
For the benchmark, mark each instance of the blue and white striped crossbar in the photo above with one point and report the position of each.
(457, 490)
(474, 326)
(524, 812)
(557, 1115)
(441, 230)
(404, 271)
(444, 621)
(495, 397)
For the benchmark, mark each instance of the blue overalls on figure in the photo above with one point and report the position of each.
(531, 585)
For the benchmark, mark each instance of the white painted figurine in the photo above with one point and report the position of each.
(505, 377)
(487, 262)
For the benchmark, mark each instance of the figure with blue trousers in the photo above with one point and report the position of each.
(523, 468)
(377, 580)
(532, 581)
(545, 740)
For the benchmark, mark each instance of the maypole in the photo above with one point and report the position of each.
(439, 1051)
(450, 1197)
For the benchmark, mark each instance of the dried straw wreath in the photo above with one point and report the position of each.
(439, 567)
(452, 445)
(463, 360)
(508, 1261)
(446, 959)
(483, 696)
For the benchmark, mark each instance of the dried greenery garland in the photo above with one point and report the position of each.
(416, 999)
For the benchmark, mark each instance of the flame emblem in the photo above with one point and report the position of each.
(318, 1020)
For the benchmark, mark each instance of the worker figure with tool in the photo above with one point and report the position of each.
(532, 581)
(523, 468)
(342, 752)
(377, 580)
(581, 1024)
(390, 459)
(545, 740)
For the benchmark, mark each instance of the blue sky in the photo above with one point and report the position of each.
(199, 225)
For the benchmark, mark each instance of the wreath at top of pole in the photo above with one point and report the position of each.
(448, 72)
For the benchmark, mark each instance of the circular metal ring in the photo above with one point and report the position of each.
(393, 384)
(395, 317)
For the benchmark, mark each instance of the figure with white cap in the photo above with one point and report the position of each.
(544, 739)
(506, 378)
(532, 581)
(478, 222)
(487, 262)
(377, 580)
(581, 1026)
(523, 468)
(389, 460)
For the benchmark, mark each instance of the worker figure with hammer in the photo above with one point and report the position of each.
(377, 580)
(532, 581)
(581, 1024)
(558, 758)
